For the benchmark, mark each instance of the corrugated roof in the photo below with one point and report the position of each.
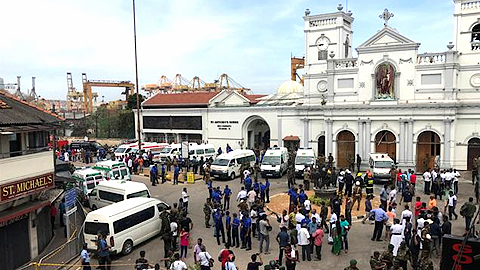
(21, 112)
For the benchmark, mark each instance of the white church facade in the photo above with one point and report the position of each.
(423, 109)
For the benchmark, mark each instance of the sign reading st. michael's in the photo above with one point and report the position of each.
(25, 187)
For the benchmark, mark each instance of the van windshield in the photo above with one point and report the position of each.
(90, 185)
(166, 150)
(271, 160)
(304, 160)
(120, 150)
(383, 164)
(95, 227)
(143, 193)
(220, 162)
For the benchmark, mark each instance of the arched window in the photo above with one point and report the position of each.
(476, 37)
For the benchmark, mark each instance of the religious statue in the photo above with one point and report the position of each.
(385, 78)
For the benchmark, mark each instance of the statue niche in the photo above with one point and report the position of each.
(385, 81)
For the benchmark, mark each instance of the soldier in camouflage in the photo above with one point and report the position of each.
(376, 263)
(207, 210)
(387, 256)
(403, 256)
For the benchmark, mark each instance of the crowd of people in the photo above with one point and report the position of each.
(413, 227)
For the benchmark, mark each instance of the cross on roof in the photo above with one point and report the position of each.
(386, 15)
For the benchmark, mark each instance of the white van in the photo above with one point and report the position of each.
(132, 148)
(201, 150)
(228, 165)
(126, 224)
(113, 191)
(172, 151)
(112, 169)
(87, 179)
(275, 162)
(380, 164)
(305, 157)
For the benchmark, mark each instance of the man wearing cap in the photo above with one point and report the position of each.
(353, 265)
(387, 256)
(357, 193)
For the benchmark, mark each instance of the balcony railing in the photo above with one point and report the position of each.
(346, 63)
(431, 58)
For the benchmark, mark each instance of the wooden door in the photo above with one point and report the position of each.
(345, 149)
(473, 151)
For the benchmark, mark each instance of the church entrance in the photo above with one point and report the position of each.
(473, 151)
(385, 142)
(258, 134)
(428, 150)
(321, 146)
(345, 149)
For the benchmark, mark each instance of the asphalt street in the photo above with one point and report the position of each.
(361, 247)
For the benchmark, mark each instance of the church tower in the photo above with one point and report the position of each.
(327, 36)
(467, 31)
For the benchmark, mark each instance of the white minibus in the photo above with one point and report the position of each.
(305, 157)
(201, 150)
(126, 224)
(275, 162)
(228, 165)
(113, 191)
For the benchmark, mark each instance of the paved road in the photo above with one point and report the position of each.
(361, 247)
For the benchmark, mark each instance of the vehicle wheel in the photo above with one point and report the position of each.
(232, 176)
(127, 247)
(94, 207)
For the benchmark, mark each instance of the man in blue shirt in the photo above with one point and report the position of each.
(153, 174)
(248, 183)
(262, 192)
(227, 192)
(103, 252)
(176, 172)
(219, 226)
(228, 226)
(256, 186)
(235, 225)
(267, 190)
(302, 197)
(245, 232)
(164, 168)
(293, 196)
(380, 218)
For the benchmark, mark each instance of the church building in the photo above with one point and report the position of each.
(421, 109)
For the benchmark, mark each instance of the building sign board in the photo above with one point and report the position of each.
(224, 125)
(25, 187)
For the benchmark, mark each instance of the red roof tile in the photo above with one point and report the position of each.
(188, 99)
(172, 99)
(4, 105)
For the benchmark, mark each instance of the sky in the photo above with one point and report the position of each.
(251, 41)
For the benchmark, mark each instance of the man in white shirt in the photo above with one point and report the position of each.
(174, 230)
(307, 205)
(178, 264)
(185, 199)
(299, 217)
(242, 194)
(316, 216)
(303, 241)
(427, 178)
(452, 203)
(392, 196)
(397, 237)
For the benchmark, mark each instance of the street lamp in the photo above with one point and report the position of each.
(136, 80)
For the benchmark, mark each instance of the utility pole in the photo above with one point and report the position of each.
(136, 80)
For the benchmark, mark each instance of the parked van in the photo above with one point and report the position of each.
(275, 162)
(111, 169)
(109, 192)
(228, 165)
(305, 157)
(380, 165)
(126, 224)
(201, 150)
(126, 149)
(172, 151)
(86, 179)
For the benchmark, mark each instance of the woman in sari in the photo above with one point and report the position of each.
(337, 238)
